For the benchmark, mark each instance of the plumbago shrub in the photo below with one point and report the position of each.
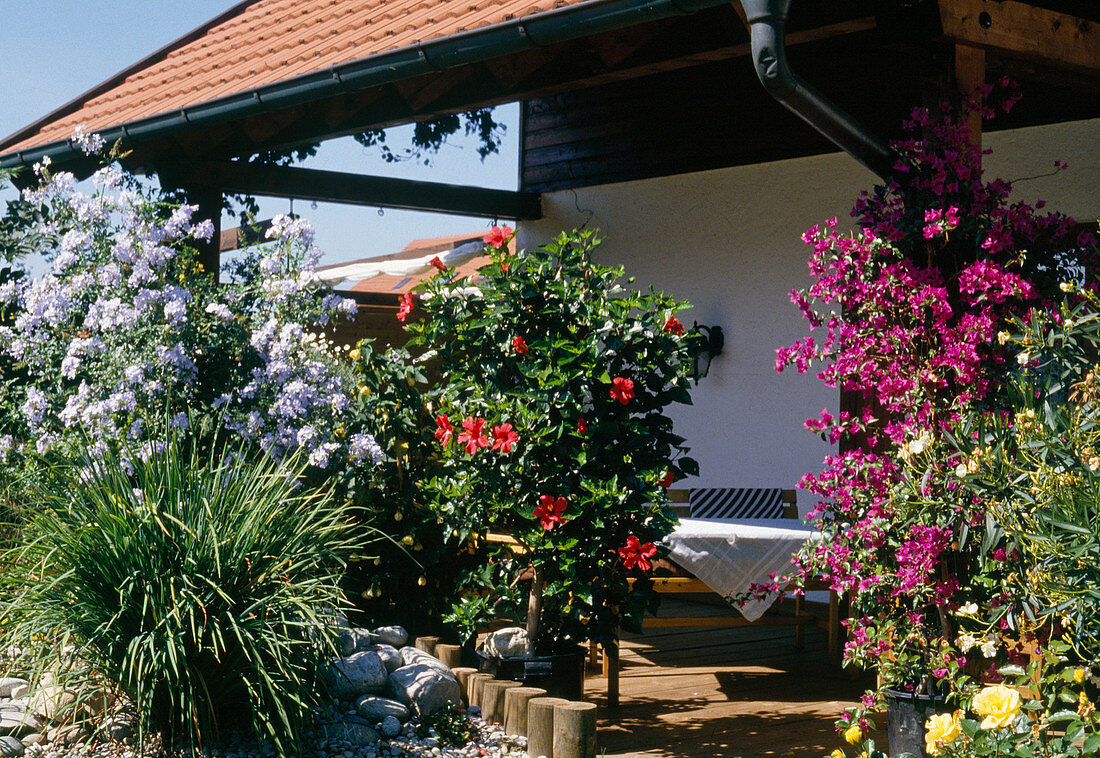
(125, 333)
(550, 427)
(905, 315)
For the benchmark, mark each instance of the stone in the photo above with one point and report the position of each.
(410, 655)
(50, 701)
(118, 728)
(392, 635)
(390, 726)
(351, 732)
(358, 674)
(390, 656)
(33, 739)
(374, 709)
(424, 688)
(351, 641)
(10, 747)
(510, 642)
(16, 720)
(11, 686)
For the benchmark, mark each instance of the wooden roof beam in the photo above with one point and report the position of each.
(1014, 28)
(355, 189)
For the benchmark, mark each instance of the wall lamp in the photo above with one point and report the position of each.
(710, 344)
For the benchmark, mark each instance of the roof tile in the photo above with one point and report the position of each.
(269, 41)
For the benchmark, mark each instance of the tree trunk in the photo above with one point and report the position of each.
(534, 604)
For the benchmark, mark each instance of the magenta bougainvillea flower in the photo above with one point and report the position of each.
(504, 437)
(622, 389)
(443, 429)
(637, 555)
(472, 435)
(549, 511)
(406, 306)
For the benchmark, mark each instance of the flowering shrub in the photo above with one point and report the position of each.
(124, 334)
(905, 316)
(549, 425)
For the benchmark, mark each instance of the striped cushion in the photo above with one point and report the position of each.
(736, 502)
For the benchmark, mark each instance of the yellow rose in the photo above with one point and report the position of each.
(1079, 675)
(998, 706)
(940, 730)
(853, 735)
(838, 753)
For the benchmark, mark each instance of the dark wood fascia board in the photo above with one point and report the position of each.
(354, 189)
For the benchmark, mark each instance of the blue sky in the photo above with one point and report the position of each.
(53, 50)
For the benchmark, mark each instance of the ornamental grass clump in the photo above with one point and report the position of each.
(550, 426)
(194, 578)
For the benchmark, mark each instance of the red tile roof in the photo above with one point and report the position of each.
(261, 42)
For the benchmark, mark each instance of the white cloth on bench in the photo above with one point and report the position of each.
(731, 555)
(736, 502)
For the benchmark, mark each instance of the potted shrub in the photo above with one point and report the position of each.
(550, 426)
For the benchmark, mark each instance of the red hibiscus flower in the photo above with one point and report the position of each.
(667, 479)
(443, 430)
(406, 306)
(672, 326)
(634, 553)
(519, 345)
(504, 437)
(473, 434)
(622, 389)
(582, 426)
(498, 236)
(549, 511)
(437, 263)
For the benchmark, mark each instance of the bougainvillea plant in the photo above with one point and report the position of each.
(125, 335)
(551, 429)
(904, 317)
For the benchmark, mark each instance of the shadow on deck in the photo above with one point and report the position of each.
(729, 692)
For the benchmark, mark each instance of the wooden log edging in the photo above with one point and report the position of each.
(492, 699)
(450, 655)
(427, 644)
(540, 726)
(515, 708)
(462, 674)
(574, 730)
(474, 691)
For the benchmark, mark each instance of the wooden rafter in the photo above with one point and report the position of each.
(356, 189)
(1017, 29)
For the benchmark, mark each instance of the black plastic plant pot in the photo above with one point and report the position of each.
(906, 715)
(560, 675)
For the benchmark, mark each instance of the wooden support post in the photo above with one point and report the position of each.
(969, 75)
(427, 644)
(611, 672)
(799, 630)
(475, 684)
(450, 655)
(834, 628)
(492, 699)
(515, 708)
(463, 674)
(540, 726)
(593, 653)
(575, 730)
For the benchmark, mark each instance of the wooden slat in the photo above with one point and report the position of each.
(1024, 30)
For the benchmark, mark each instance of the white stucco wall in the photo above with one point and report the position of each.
(728, 241)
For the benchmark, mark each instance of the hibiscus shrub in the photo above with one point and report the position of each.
(550, 427)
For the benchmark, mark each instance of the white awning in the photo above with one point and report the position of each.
(401, 267)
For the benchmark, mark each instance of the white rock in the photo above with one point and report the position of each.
(375, 709)
(390, 726)
(392, 635)
(50, 701)
(11, 686)
(358, 674)
(351, 641)
(17, 720)
(390, 656)
(351, 732)
(10, 747)
(507, 643)
(410, 655)
(424, 688)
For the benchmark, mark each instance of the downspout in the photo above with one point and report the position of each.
(767, 20)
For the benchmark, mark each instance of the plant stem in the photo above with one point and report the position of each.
(534, 603)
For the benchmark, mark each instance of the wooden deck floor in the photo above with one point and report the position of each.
(729, 692)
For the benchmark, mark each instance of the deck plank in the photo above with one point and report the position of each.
(741, 692)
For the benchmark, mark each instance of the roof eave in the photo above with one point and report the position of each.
(540, 30)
